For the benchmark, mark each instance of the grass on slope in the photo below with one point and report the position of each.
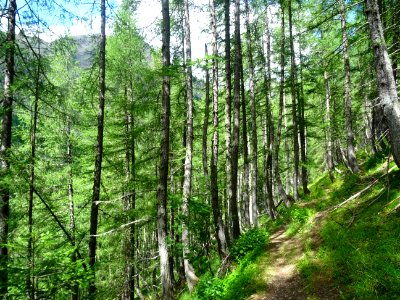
(359, 243)
(352, 252)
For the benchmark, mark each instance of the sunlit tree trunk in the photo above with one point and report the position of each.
(254, 140)
(235, 135)
(30, 287)
(351, 156)
(191, 278)
(206, 117)
(228, 104)
(293, 81)
(219, 227)
(287, 199)
(5, 145)
(386, 83)
(99, 152)
(328, 130)
(162, 189)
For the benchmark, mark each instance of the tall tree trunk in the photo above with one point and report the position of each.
(328, 130)
(270, 124)
(75, 286)
(246, 161)
(293, 81)
(219, 227)
(302, 128)
(129, 197)
(5, 146)
(254, 154)
(351, 156)
(386, 83)
(191, 278)
(235, 137)
(206, 117)
(162, 189)
(287, 199)
(94, 212)
(228, 105)
(30, 288)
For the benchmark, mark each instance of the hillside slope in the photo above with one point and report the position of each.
(340, 242)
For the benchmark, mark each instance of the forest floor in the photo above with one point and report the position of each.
(282, 278)
(339, 242)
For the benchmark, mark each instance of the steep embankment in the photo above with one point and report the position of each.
(341, 242)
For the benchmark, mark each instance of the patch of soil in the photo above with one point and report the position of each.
(284, 282)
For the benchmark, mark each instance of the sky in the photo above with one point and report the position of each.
(83, 17)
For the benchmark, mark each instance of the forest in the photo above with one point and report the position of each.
(132, 171)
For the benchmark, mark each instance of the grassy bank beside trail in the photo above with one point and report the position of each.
(356, 248)
(348, 230)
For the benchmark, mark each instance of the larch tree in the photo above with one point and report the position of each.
(94, 211)
(351, 156)
(162, 189)
(190, 275)
(5, 145)
(219, 227)
(385, 78)
(233, 205)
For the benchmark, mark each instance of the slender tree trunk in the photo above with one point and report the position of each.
(94, 212)
(235, 138)
(328, 130)
(228, 105)
(246, 161)
(30, 288)
(302, 128)
(287, 149)
(219, 227)
(75, 287)
(287, 199)
(351, 156)
(5, 145)
(270, 124)
(191, 278)
(129, 198)
(162, 190)
(386, 82)
(293, 81)
(254, 141)
(206, 117)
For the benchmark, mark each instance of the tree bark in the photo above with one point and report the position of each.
(30, 287)
(386, 82)
(254, 141)
(94, 212)
(235, 136)
(191, 278)
(293, 82)
(5, 146)
(287, 199)
(328, 130)
(272, 212)
(70, 191)
(302, 128)
(129, 197)
(206, 117)
(228, 102)
(162, 189)
(219, 227)
(351, 156)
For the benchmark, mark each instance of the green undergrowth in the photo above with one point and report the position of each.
(241, 281)
(357, 253)
(350, 252)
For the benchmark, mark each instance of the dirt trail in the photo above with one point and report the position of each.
(279, 277)
(283, 280)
